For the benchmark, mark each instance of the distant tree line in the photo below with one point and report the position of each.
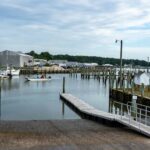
(87, 59)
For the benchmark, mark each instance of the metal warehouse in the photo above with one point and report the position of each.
(16, 59)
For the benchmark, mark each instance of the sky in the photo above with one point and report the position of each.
(76, 27)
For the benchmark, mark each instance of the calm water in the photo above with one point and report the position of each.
(22, 100)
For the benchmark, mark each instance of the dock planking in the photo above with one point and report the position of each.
(86, 108)
(111, 119)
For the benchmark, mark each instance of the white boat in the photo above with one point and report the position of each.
(38, 79)
(9, 71)
(13, 72)
(4, 77)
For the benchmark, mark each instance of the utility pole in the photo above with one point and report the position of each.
(148, 64)
(121, 47)
(0, 100)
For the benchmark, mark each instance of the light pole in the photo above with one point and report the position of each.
(148, 64)
(0, 100)
(121, 45)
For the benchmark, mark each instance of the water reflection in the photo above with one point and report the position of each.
(63, 108)
(8, 84)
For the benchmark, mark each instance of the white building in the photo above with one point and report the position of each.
(107, 65)
(40, 62)
(90, 64)
(142, 78)
(16, 59)
(72, 64)
(57, 62)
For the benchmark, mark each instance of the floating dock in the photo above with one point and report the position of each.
(92, 113)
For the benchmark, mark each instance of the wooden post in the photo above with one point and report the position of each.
(142, 89)
(128, 78)
(63, 84)
(123, 84)
(132, 88)
(116, 84)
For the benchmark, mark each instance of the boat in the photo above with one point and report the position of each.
(13, 72)
(4, 77)
(38, 79)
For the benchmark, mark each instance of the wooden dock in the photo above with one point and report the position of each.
(94, 114)
(125, 96)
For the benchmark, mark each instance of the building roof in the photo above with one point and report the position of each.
(40, 60)
(15, 53)
(107, 65)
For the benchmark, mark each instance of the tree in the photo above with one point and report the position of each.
(45, 55)
(88, 59)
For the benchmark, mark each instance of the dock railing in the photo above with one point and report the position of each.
(132, 115)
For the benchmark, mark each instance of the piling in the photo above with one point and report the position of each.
(63, 84)
(142, 90)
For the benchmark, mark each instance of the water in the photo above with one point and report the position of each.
(22, 100)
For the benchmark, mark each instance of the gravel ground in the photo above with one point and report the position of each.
(68, 135)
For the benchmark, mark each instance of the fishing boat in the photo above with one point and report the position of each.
(13, 72)
(38, 79)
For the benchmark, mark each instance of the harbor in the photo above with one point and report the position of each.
(51, 123)
(75, 75)
(89, 102)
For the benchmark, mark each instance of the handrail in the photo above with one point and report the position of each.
(138, 108)
(132, 106)
(140, 105)
(139, 115)
(131, 116)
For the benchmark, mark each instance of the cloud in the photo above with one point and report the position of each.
(81, 26)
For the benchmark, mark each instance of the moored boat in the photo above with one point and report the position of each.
(38, 79)
(13, 72)
(4, 77)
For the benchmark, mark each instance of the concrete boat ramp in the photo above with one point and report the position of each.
(87, 111)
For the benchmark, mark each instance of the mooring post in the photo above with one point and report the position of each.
(142, 89)
(123, 84)
(128, 78)
(132, 87)
(63, 84)
(116, 84)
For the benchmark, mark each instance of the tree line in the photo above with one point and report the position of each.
(87, 59)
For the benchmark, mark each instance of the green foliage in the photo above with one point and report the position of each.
(45, 55)
(42, 55)
(87, 59)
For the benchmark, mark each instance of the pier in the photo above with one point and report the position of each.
(94, 114)
(126, 96)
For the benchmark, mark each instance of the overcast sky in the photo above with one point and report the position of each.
(76, 27)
